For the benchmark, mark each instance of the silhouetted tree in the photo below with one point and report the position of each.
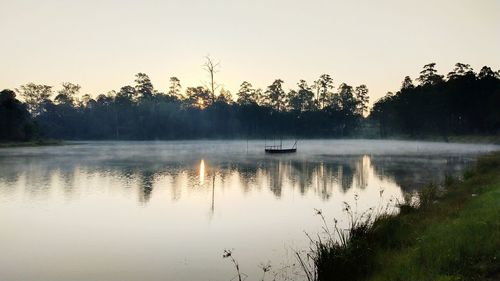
(384, 113)
(225, 96)
(345, 99)
(143, 86)
(275, 95)
(212, 68)
(200, 97)
(175, 88)
(15, 122)
(126, 95)
(361, 93)
(246, 94)
(460, 70)
(303, 99)
(86, 101)
(67, 94)
(465, 103)
(260, 96)
(35, 95)
(345, 105)
(407, 83)
(487, 72)
(429, 76)
(324, 88)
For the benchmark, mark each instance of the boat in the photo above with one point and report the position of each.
(279, 148)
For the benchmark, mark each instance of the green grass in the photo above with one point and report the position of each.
(454, 237)
(451, 235)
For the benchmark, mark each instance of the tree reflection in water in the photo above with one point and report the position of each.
(322, 176)
(176, 205)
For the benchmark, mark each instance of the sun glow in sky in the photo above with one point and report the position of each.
(101, 44)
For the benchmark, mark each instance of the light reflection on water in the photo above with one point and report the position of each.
(167, 210)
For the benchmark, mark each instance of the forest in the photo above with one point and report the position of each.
(463, 102)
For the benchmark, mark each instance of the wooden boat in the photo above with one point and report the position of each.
(279, 148)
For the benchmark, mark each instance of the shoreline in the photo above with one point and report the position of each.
(492, 140)
(32, 143)
(452, 234)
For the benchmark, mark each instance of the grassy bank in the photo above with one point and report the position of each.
(31, 143)
(451, 234)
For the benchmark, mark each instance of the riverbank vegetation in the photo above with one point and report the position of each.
(464, 103)
(452, 232)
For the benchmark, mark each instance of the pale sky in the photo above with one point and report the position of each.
(102, 44)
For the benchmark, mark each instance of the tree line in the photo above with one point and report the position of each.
(140, 111)
(463, 102)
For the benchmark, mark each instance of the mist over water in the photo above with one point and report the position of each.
(166, 210)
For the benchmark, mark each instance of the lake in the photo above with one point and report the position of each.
(166, 210)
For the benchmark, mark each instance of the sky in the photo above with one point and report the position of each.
(102, 44)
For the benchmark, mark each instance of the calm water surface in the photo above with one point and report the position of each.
(167, 210)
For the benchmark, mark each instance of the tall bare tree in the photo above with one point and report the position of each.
(211, 67)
